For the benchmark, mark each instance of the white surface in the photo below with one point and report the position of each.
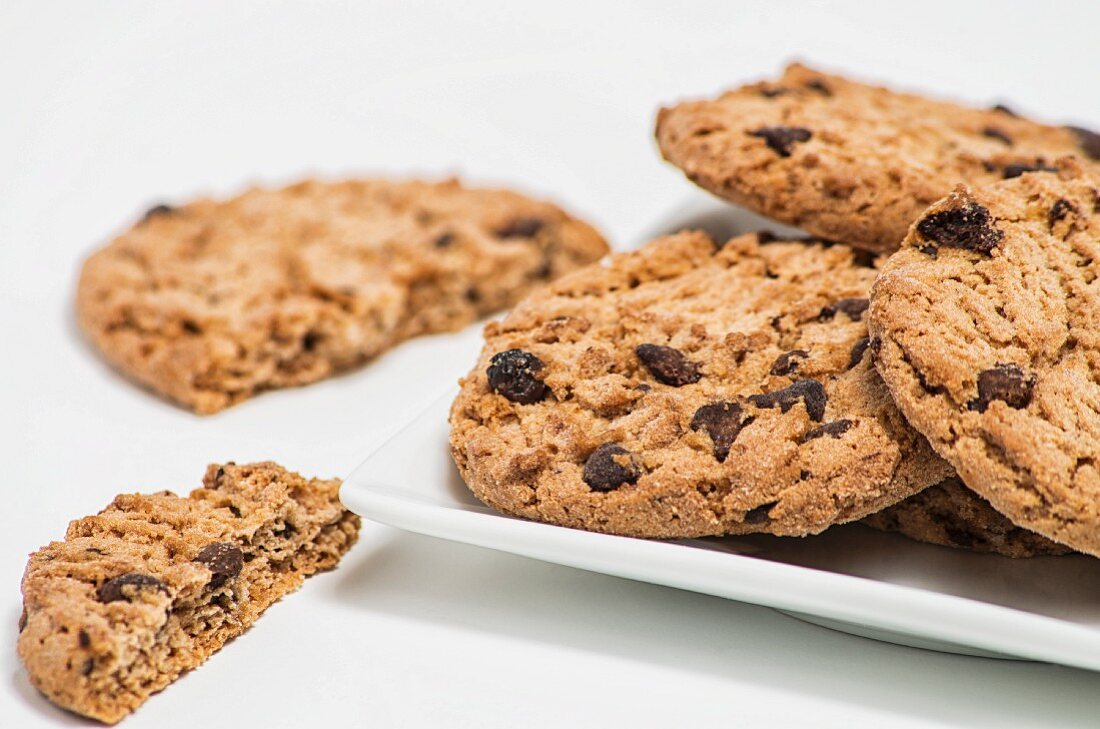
(852, 578)
(106, 108)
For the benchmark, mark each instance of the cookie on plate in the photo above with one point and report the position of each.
(152, 585)
(848, 161)
(690, 389)
(987, 330)
(951, 515)
(211, 302)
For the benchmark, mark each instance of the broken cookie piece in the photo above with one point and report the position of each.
(151, 586)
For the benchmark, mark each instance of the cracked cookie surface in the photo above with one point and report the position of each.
(214, 301)
(849, 161)
(988, 329)
(151, 586)
(951, 515)
(690, 389)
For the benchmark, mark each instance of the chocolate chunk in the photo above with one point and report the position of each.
(1005, 382)
(1015, 170)
(858, 350)
(854, 308)
(1089, 141)
(126, 587)
(668, 365)
(781, 139)
(83, 639)
(723, 423)
(819, 86)
(810, 392)
(520, 228)
(864, 259)
(609, 467)
(833, 429)
(995, 133)
(787, 362)
(1004, 110)
(930, 251)
(88, 667)
(443, 240)
(1060, 209)
(969, 227)
(157, 211)
(224, 560)
(761, 514)
(876, 345)
(512, 374)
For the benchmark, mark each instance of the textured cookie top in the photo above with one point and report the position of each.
(952, 515)
(151, 585)
(215, 300)
(989, 327)
(848, 161)
(687, 389)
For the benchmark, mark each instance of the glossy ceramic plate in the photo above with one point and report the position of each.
(850, 578)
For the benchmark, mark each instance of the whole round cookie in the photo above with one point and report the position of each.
(211, 302)
(951, 515)
(688, 389)
(987, 331)
(848, 161)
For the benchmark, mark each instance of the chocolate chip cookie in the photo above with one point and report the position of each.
(211, 302)
(153, 585)
(951, 515)
(690, 389)
(987, 328)
(849, 161)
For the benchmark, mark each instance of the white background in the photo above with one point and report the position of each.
(109, 107)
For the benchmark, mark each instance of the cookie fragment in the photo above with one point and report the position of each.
(703, 395)
(212, 302)
(151, 586)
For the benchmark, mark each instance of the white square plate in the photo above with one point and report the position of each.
(850, 578)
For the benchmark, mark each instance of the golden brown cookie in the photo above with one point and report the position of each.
(153, 585)
(214, 301)
(987, 328)
(951, 515)
(848, 161)
(688, 389)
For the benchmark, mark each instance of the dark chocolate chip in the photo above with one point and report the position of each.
(761, 514)
(854, 308)
(234, 511)
(995, 133)
(126, 587)
(810, 392)
(287, 531)
(930, 251)
(1005, 382)
(876, 345)
(925, 385)
(781, 139)
(864, 259)
(512, 374)
(723, 423)
(88, 667)
(1089, 141)
(609, 467)
(224, 560)
(858, 349)
(520, 228)
(819, 86)
(443, 240)
(668, 365)
(833, 429)
(1004, 110)
(83, 639)
(157, 211)
(1015, 170)
(310, 340)
(787, 362)
(969, 226)
(1060, 209)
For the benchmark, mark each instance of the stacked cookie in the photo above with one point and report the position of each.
(928, 363)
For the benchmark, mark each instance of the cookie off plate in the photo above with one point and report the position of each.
(849, 578)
